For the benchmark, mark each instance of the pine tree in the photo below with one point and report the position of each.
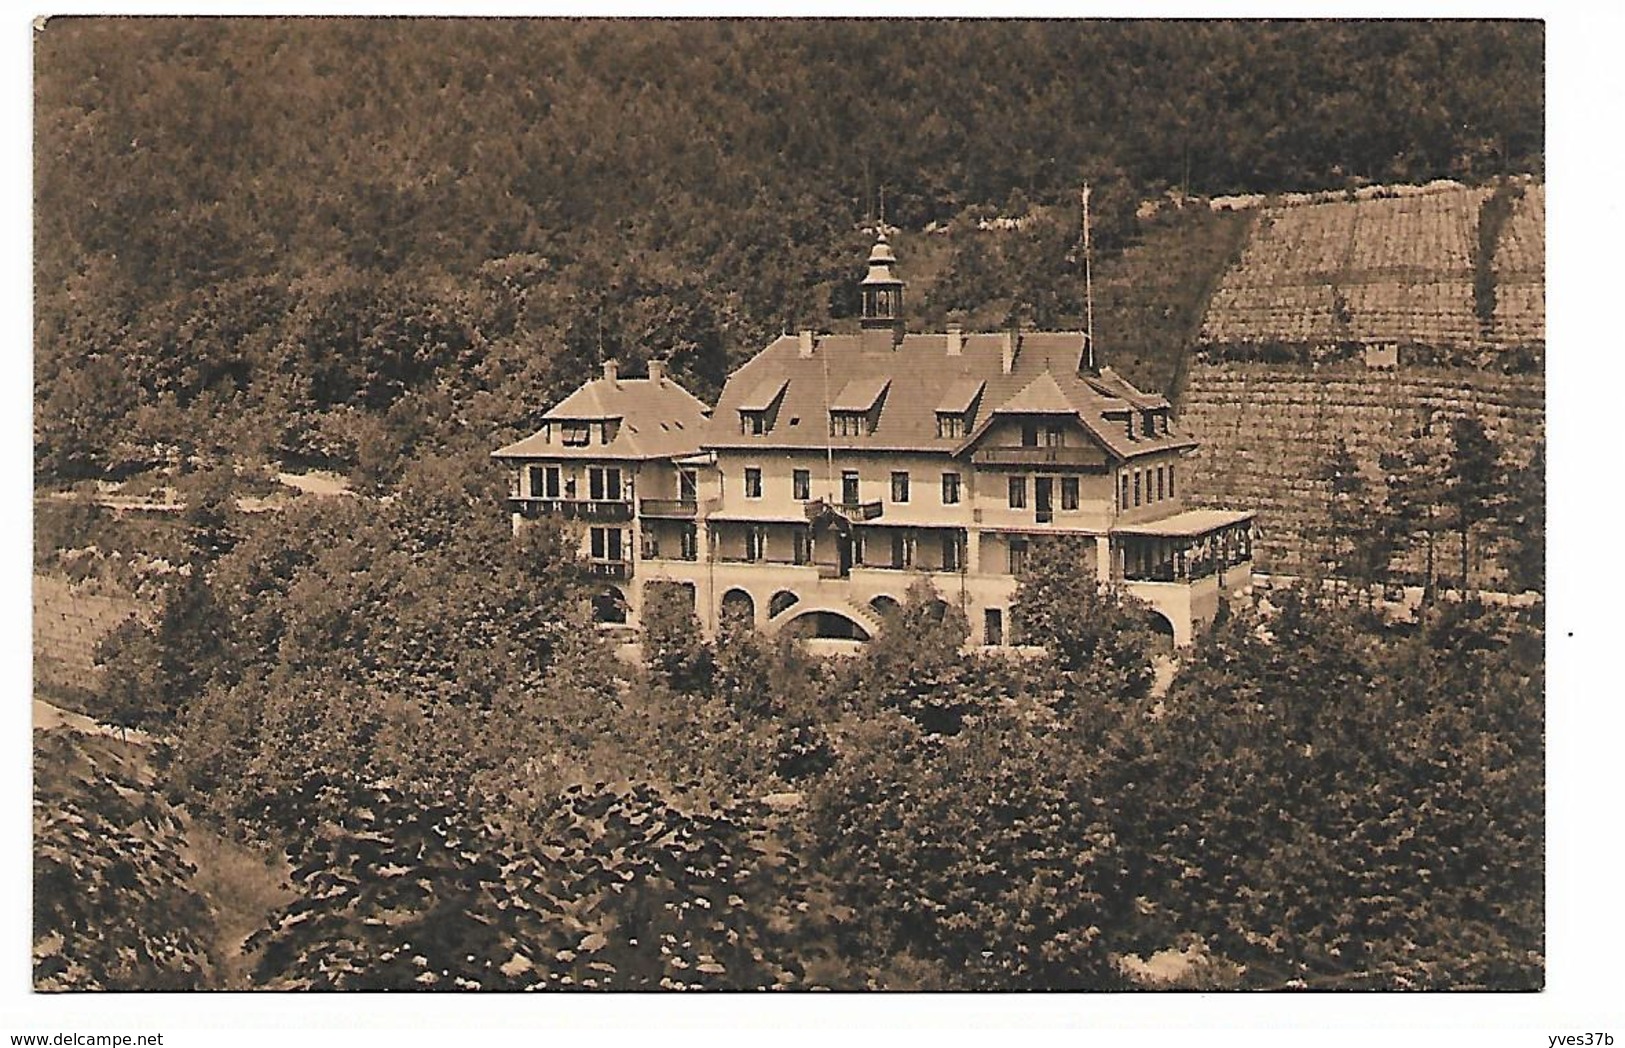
(1474, 483)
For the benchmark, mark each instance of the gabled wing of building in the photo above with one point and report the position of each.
(651, 418)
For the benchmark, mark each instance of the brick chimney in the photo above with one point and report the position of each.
(1009, 340)
(956, 340)
(806, 347)
(657, 370)
(612, 370)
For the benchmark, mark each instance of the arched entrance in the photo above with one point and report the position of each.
(609, 606)
(884, 605)
(782, 601)
(827, 625)
(1162, 632)
(738, 610)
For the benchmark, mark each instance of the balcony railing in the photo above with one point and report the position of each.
(669, 507)
(618, 570)
(1078, 458)
(856, 512)
(598, 511)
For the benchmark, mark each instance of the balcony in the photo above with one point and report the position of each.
(855, 512)
(1074, 458)
(615, 570)
(596, 511)
(683, 508)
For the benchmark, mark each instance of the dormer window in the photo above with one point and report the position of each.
(849, 424)
(577, 434)
(1150, 423)
(753, 423)
(950, 424)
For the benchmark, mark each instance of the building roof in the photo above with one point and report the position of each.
(658, 419)
(1190, 522)
(860, 394)
(961, 396)
(762, 397)
(921, 378)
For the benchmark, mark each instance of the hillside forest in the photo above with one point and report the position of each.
(343, 243)
(373, 741)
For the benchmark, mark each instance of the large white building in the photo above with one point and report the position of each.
(835, 470)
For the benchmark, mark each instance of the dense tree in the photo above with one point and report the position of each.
(1356, 539)
(1475, 487)
(1417, 476)
(1102, 640)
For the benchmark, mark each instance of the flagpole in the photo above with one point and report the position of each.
(1088, 285)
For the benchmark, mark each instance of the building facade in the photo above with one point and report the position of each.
(838, 469)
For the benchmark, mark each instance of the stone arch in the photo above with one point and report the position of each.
(884, 605)
(782, 601)
(827, 624)
(610, 606)
(1163, 634)
(867, 622)
(738, 608)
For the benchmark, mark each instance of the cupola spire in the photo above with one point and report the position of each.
(882, 292)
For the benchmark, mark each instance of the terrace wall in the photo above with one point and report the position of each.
(1384, 270)
(1266, 432)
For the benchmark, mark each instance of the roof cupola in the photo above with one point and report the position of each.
(882, 293)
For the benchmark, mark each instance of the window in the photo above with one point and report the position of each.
(689, 542)
(1018, 492)
(899, 487)
(607, 544)
(950, 489)
(550, 482)
(1150, 423)
(1159, 483)
(801, 480)
(848, 424)
(1129, 420)
(1170, 482)
(753, 482)
(753, 422)
(576, 434)
(951, 560)
(688, 486)
(1069, 492)
(993, 626)
(1054, 436)
(1018, 556)
(603, 484)
(1122, 501)
(756, 543)
(1029, 434)
(849, 487)
(1136, 487)
(950, 424)
(536, 485)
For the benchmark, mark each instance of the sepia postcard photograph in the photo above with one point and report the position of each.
(878, 505)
